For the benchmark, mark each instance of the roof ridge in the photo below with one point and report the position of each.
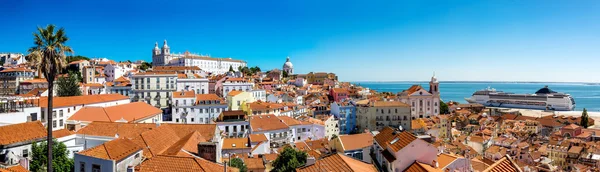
(106, 113)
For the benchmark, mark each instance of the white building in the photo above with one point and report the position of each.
(164, 57)
(194, 82)
(395, 150)
(154, 88)
(233, 123)
(12, 59)
(239, 84)
(107, 157)
(277, 132)
(259, 95)
(303, 130)
(65, 107)
(16, 140)
(114, 71)
(423, 103)
(189, 107)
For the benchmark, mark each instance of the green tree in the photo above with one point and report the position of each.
(145, 66)
(255, 69)
(285, 74)
(230, 68)
(60, 154)
(585, 119)
(75, 58)
(444, 108)
(289, 160)
(238, 163)
(68, 86)
(48, 55)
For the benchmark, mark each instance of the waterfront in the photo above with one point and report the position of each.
(585, 95)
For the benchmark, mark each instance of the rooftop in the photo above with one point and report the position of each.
(338, 162)
(28, 131)
(116, 150)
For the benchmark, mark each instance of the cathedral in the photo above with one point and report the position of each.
(288, 67)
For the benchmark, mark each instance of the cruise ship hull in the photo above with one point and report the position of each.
(543, 99)
(517, 106)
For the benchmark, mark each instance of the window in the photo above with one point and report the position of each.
(137, 155)
(43, 115)
(54, 124)
(82, 166)
(61, 122)
(95, 168)
(68, 110)
(192, 119)
(25, 153)
(33, 116)
(53, 114)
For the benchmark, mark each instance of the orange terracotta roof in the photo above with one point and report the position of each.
(81, 100)
(338, 162)
(445, 159)
(18, 69)
(122, 79)
(235, 79)
(264, 105)
(184, 94)
(180, 164)
(572, 126)
(159, 139)
(259, 123)
(22, 132)
(356, 141)
(182, 130)
(421, 167)
(77, 62)
(390, 104)
(116, 150)
(254, 163)
(62, 133)
(257, 137)
(117, 112)
(109, 84)
(208, 97)
(505, 164)
(235, 143)
(234, 93)
(289, 121)
(413, 89)
(386, 137)
(36, 80)
(340, 90)
(188, 143)
(110, 129)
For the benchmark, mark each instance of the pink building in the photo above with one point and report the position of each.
(339, 94)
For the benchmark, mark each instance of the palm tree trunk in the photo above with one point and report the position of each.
(49, 124)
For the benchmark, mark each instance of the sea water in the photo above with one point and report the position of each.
(586, 95)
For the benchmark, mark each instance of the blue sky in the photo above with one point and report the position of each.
(503, 40)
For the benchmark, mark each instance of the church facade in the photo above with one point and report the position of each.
(423, 103)
(164, 57)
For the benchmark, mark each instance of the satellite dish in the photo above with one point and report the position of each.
(400, 127)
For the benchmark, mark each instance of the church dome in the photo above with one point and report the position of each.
(288, 64)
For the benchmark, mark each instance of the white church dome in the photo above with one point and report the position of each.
(288, 64)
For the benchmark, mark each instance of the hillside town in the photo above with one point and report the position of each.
(194, 112)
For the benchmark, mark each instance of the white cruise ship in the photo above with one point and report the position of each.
(543, 99)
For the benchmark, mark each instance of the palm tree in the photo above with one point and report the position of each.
(48, 57)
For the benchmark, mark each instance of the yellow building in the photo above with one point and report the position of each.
(319, 77)
(236, 99)
(558, 154)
